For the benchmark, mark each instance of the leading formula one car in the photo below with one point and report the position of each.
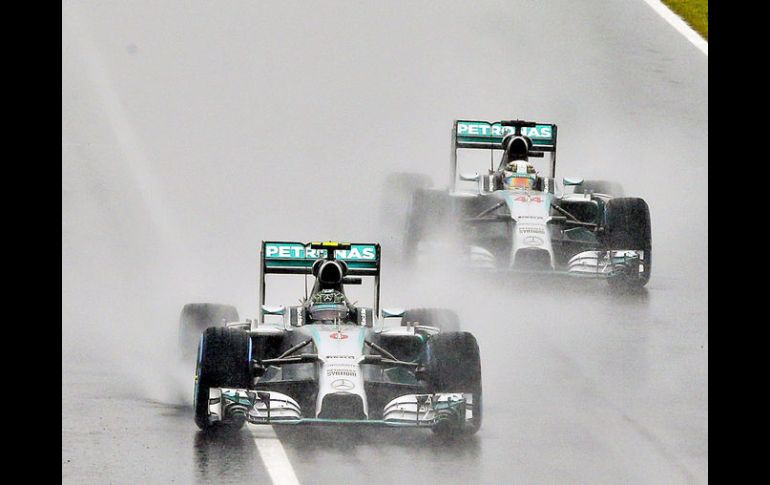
(515, 219)
(329, 361)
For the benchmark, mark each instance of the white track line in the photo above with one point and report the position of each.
(273, 455)
(680, 25)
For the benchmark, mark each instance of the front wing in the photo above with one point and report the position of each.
(273, 408)
(587, 264)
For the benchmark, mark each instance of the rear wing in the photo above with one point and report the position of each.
(293, 257)
(489, 136)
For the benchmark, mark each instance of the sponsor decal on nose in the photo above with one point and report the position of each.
(338, 336)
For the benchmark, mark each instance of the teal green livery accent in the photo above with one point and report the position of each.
(361, 337)
(232, 396)
(293, 263)
(316, 336)
(493, 133)
(297, 255)
(296, 251)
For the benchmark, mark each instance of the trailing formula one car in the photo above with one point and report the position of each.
(515, 219)
(330, 361)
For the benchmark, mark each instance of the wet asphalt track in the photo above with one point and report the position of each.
(581, 385)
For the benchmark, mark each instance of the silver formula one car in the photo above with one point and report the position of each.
(512, 218)
(330, 361)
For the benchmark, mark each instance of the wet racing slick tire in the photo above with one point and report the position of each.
(197, 317)
(453, 364)
(223, 361)
(627, 226)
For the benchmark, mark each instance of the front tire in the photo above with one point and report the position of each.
(223, 361)
(627, 226)
(197, 317)
(453, 365)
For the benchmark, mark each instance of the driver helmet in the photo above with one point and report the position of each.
(519, 174)
(328, 305)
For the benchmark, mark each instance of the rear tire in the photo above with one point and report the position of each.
(197, 317)
(627, 226)
(223, 361)
(443, 318)
(453, 364)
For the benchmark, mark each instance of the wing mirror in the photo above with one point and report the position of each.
(469, 177)
(393, 312)
(572, 181)
(273, 310)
